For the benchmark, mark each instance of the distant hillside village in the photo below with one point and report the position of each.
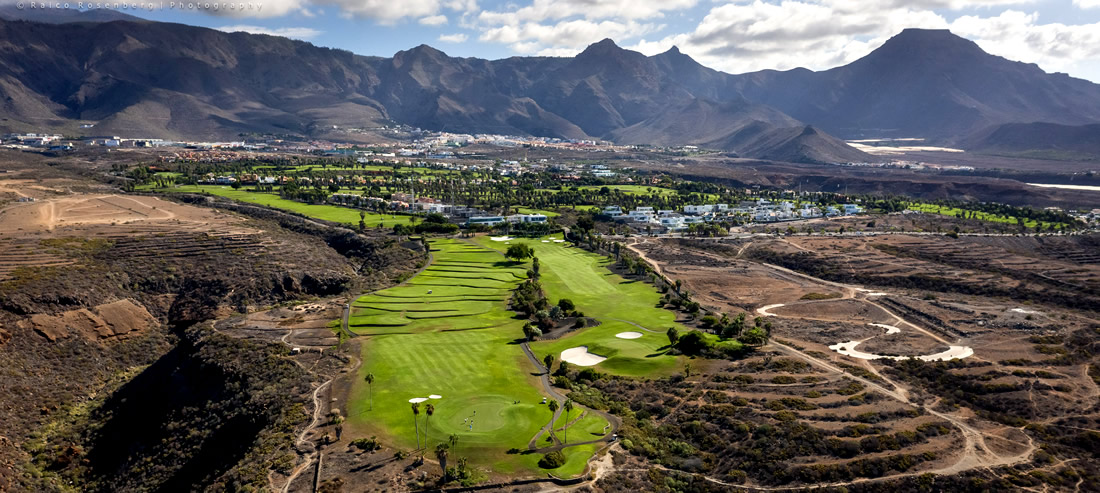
(760, 211)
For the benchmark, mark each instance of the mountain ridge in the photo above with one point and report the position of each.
(179, 81)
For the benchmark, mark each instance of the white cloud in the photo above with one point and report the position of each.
(461, 5)
(1019, 36)
(542, 10)
(563, 38)
(385, 11)
(433, 20)
(1087, 4)
(747, 37)
(453, 38)
(759, 35)
(286, 32)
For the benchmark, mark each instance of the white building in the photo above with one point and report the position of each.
(851, 209)
(613, 211)
(642, 216)
(527, 218)
(487, 220)
(673, 222)
(706, 209)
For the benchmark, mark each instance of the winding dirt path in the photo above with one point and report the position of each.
(976, 453)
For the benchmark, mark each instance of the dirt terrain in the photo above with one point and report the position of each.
(1027, 356)
(100, 295)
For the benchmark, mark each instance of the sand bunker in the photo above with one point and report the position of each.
(435, 396)
(953, 352)
(418, 400)
(546, 241)
(501, 238)
(559, 241)
(764, 309)
(581, 357)
(890, 329)
(1027, 312)
(628, 335)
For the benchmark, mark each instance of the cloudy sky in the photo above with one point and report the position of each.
(733, 36)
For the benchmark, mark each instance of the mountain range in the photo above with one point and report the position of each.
(152, 79)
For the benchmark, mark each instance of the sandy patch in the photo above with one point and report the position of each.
(87, 210)
(1027, 312)
(890, 329)
(953, 352)
(628, 335)
(764, 309)
(101, 322)
(418, 400)
(581, 357)
(435, 396)
(501, 238)
(559, 241)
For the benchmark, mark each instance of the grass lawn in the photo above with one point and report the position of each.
(634, 189)
(983, 216)
(480, 374)
(528, 210)
(320, 211)
(569, 272)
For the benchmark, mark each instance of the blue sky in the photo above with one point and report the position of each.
(740, 36)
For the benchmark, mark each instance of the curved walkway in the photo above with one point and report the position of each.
(613, 421)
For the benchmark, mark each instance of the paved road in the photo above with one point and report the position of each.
(614, 421)
(554, 394)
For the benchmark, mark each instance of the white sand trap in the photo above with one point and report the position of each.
(546, 241)
(501, 238)
(890, 329)
(581, 357)
(418, 400)
(1021, 310)
(628, 335)
(435, 396)
(764, 309)
(878, 294)
(953, 352)
(559, 241)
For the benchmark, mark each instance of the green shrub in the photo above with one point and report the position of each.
(553, 460)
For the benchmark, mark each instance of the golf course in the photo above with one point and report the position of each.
(446, 337)
(621, 305)
(447, 332)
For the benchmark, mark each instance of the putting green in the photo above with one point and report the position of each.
(490, 393)
(583, 277)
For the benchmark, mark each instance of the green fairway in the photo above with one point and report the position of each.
(325, 212)
(569, 272)
(528, 210)
(981, 216)
(448, 332)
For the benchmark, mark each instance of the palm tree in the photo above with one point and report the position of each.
(430, 410)
(441, 454)
(568, 407)
(454, 442)
(370, 382)
(416, 423)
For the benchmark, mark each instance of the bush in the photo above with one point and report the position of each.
(369, 444)
(553, 460)
(693, 342)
